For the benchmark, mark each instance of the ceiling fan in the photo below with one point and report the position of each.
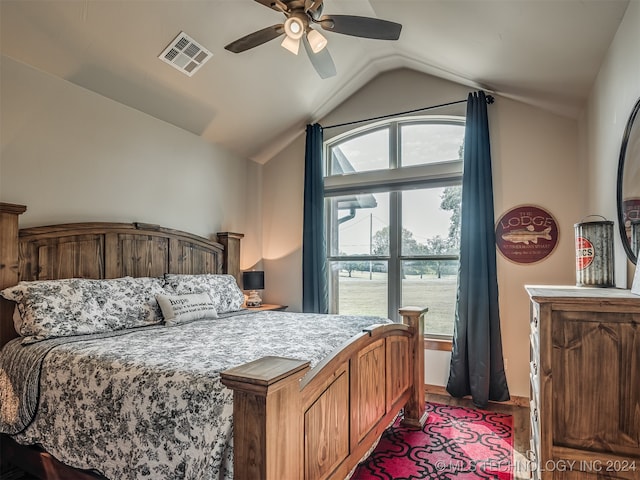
(301, 16)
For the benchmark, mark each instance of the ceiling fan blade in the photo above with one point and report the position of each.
(256, 38)
(366, 27)
(321, 61)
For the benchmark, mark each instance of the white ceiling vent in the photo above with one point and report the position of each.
(185, 54)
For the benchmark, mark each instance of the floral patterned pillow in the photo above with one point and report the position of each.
(223, 289)
(78, 306)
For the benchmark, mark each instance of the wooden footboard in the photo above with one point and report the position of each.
(293, 422)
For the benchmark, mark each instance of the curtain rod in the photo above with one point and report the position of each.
(490, 100)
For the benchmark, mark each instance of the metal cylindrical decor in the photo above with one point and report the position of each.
(594, 254)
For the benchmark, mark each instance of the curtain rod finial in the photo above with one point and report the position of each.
(490, 99)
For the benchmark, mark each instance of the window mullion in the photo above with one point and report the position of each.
(394, 149)
(395, 237)
(395, 244)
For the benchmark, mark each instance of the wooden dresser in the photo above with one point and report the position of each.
(585, 383)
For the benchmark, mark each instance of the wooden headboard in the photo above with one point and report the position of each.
(103, 250)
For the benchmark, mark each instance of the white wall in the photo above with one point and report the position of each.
(614, 93)
(535, 161)
(72, 155)
(535, 158)
(283, 183)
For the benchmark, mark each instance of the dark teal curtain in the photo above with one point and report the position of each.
(314, 278)
(477, 365)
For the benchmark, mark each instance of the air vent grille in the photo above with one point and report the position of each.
(185, 54)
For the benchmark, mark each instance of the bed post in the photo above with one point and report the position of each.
(267, 425)
(231, 242)
(9, 214)
(415, 414)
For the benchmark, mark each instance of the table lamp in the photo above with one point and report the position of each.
(253, 281)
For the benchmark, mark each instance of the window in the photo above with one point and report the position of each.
(392, 194)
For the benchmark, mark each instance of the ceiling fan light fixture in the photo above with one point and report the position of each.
(316, 40)
(300, 15)
(291, 44)
(294, 28)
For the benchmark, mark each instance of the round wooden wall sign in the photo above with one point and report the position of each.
(526, 234)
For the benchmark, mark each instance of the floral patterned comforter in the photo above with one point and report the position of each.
(149, 404)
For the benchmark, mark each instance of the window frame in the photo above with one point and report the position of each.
(394, 180)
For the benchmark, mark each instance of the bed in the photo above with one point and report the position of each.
(311, 413)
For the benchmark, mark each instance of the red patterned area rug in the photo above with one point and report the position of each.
(455, 443)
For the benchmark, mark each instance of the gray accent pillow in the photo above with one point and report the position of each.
(223, 289)
(178, 309)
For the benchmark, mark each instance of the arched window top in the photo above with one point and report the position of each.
(406, 142)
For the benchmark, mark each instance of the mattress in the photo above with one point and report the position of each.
(148, 402)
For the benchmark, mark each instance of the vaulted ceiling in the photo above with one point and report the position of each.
(544, 52)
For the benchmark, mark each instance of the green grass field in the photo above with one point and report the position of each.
(361, 296)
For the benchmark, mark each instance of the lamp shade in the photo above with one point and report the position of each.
(291, 44)
(253, 280)
(316, 40)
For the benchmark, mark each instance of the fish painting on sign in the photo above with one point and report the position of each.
(526, 234)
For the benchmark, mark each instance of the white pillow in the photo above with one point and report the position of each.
(178, 309)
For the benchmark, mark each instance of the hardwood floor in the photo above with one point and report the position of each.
(520, 433)
(12, 473)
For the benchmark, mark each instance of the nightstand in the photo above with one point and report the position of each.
(267, 306)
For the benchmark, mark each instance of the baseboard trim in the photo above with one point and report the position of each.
(440, 390)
